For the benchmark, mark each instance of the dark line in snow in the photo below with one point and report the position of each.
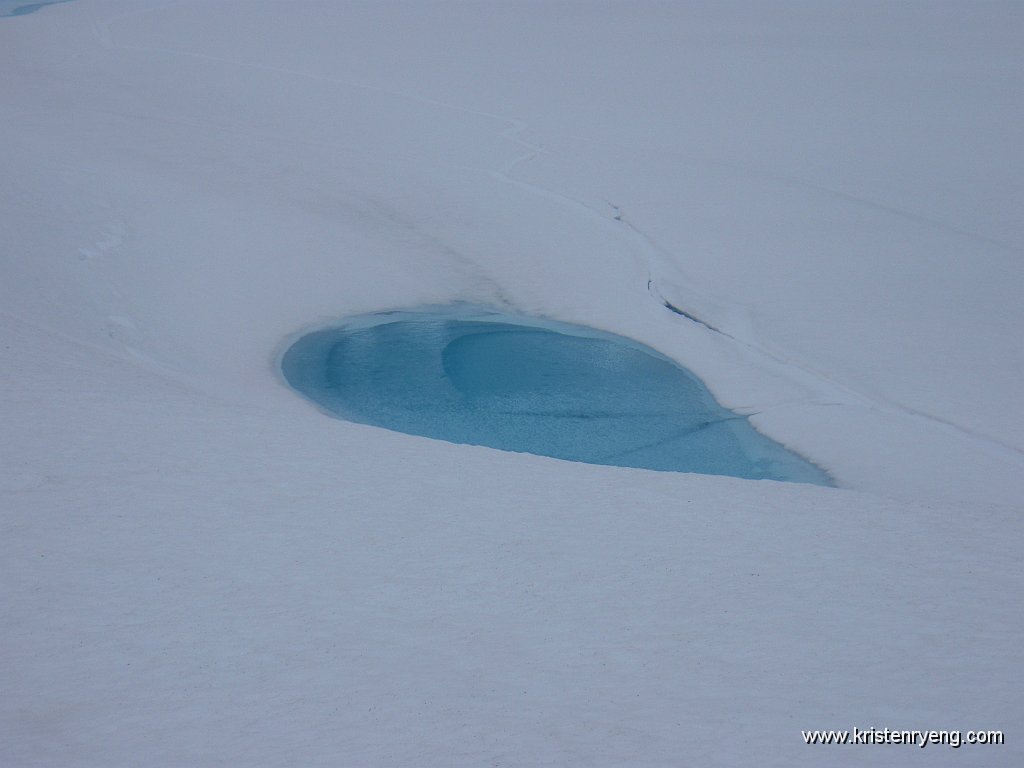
(683, 313)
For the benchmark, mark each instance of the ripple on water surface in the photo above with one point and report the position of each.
(520, 384)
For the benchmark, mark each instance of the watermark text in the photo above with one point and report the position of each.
(922, 739)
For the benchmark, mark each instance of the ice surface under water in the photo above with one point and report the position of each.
(24, 7)
(521, 384)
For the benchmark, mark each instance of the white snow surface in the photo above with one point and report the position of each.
(201, 569)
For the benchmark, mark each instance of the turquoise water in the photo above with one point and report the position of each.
(22, 8)
(521, 385)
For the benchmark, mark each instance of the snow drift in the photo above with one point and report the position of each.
(199, 568)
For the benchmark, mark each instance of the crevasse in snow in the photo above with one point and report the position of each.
(520, 384)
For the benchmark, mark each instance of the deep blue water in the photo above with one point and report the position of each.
(22, 8)
(549, 389)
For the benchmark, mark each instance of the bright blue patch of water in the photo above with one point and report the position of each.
(543, 388)
(21, 8)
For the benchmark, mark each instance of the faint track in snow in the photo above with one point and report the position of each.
(901, 213)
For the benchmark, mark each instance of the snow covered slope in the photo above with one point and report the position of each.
(198, 568)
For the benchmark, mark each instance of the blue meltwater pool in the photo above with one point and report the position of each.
(24, 7)
(539, 387)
